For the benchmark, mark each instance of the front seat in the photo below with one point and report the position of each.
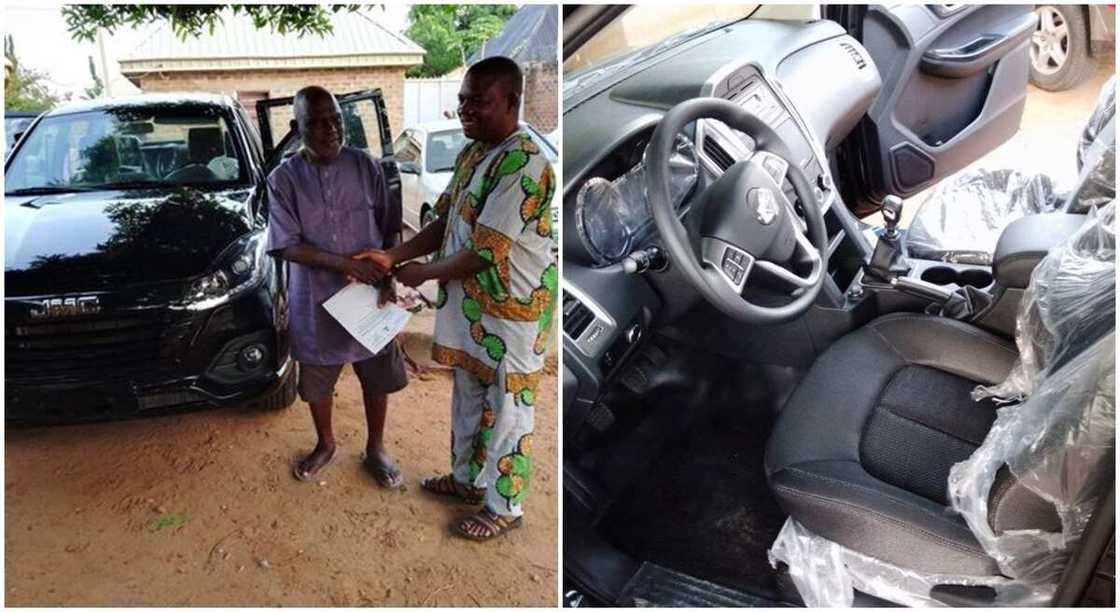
(861, 453)
(203, 144)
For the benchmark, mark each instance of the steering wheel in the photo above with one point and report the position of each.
(745, 223)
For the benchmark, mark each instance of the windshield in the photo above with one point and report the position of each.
(646, 24)
(443, 148)
(126, 148)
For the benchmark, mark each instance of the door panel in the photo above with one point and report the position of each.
(954, 88)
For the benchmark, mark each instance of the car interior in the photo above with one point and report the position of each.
(769, 402)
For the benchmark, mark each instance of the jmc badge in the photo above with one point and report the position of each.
(66, 307)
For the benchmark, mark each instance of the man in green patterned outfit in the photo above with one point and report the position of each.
(497, 288)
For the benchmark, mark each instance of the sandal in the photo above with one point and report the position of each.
(447, 486)
(487, 525)
(387, 476)
(307, 475)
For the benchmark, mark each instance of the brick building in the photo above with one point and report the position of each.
(251, 64)
(541, 82)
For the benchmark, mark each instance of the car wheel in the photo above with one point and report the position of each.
(285, 395)
(1060, 48)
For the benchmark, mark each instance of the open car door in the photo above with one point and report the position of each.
(954, 88)
(364, 119)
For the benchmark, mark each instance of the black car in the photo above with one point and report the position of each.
(137, 278)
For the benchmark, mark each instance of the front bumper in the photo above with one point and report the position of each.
(127, 362)
(96, 402)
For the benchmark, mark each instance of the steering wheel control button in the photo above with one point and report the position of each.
(765, 205)
(735, 265)
(775, 166)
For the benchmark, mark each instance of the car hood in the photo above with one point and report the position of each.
(110, 240)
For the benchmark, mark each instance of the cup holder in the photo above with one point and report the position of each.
(944, 275)
(940, 275)
(975, 278)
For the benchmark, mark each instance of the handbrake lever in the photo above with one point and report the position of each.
(922, 289)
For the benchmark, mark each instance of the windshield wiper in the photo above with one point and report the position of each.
(47, 190)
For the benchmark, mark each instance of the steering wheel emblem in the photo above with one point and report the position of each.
(765, 206)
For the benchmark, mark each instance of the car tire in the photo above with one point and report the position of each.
(283, 396)
(1062, 28)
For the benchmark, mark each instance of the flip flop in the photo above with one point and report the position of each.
(386, 476)
(309, 475)
(493, 525)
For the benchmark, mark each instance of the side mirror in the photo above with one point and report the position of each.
(409, 167)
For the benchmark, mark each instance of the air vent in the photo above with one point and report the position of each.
(717, 154)
(576, 316)
(854, 53)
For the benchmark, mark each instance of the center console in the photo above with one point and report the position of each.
(987, 297)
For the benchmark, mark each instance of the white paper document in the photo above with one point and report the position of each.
(355, 307)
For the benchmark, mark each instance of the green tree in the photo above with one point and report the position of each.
(93, 93)
(190, 20)
(25, 89)
(451, 33)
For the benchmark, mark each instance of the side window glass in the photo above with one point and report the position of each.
(361, 122)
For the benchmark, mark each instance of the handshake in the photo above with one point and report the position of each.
(374, 265)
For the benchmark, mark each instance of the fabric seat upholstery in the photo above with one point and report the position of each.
(861, 453)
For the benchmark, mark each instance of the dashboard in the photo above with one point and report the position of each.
(773, 69)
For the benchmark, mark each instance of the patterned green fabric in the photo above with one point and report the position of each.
(498, 205)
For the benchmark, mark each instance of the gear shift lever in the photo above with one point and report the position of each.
(892, 214)
(888, 261)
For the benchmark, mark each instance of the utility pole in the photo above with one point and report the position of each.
(107, 89)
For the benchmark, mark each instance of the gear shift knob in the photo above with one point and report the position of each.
(892, 213)
(888, 261)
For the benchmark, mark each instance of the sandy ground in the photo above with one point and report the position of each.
(202, 509)
(1047, 138)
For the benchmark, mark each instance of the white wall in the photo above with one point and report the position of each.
(427, 99)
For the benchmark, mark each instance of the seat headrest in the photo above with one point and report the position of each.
(204, 144)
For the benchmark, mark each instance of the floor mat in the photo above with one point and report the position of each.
(704, 509)
(659, 587)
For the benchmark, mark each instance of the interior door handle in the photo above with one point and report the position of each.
(978, 54)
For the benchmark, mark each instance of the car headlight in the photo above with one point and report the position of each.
(238, 269)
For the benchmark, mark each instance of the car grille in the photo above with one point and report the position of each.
(105, 347)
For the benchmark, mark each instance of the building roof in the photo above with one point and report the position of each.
(529, 36)
(357, 40)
